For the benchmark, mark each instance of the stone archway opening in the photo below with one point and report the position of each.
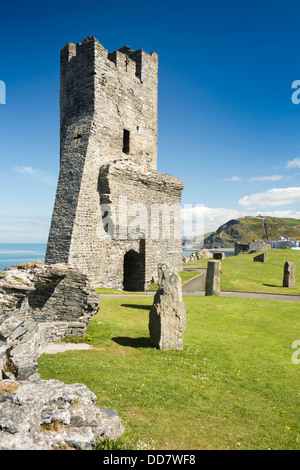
(134, 271)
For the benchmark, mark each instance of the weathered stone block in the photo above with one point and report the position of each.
(258, 245)
(34, 312)
(212, 283)
(262, 258)
(40, 414)
(167, 318)
(289, 275)
(51, 415)
(196, 255)
(219, 255)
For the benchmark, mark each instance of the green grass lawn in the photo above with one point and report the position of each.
(241, 273)
(187, 275)
(184, 275)
(233, 386)
(111, 291)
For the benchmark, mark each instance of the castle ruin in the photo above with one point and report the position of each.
(115, 217)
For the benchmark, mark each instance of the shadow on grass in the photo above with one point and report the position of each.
(133, 342)
(142, 307)
(271, 285)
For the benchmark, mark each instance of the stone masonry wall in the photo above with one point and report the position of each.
(104, 257)
(104, 95)
(40, 304)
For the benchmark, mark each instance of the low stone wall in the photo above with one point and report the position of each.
(40, 304)
(252, 247)
(197, 255)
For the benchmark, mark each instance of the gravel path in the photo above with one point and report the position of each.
(62, 347)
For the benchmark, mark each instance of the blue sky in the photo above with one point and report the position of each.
(227, 124)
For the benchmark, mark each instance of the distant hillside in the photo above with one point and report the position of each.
(250, 228)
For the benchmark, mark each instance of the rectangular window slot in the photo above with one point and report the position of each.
(126, 139)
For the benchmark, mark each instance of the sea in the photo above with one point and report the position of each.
(12, 254)
(186, 252)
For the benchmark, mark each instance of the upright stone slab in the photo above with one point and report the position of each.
(289, 276)
(212, 283)
(219, 255)
(167, 318)
(262, 258)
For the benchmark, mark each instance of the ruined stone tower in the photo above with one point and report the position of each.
(114, 217)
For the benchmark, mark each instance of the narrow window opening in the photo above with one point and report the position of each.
(77, 138)
(126, 139)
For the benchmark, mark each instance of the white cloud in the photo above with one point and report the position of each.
(233, 178)
(272, 197)
(293, 163)
(36, 174)
(267, 178)
(199, 219)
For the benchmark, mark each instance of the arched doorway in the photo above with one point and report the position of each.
(134, 271)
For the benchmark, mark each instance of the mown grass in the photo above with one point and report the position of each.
(111, 291)
(233, 386)
(241, 273)
(187, 275)
(184, 275)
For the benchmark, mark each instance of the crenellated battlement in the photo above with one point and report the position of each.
(115, 90)
(128, 59)
(125, 58)
(77, 51)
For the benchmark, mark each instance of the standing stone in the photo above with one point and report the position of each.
(262, 258)
(289, 278)
(167, 318)
(219, 255)
(212, 283)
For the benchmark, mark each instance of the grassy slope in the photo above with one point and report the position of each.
(241, 273)
(248, 229)
(234, 385)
